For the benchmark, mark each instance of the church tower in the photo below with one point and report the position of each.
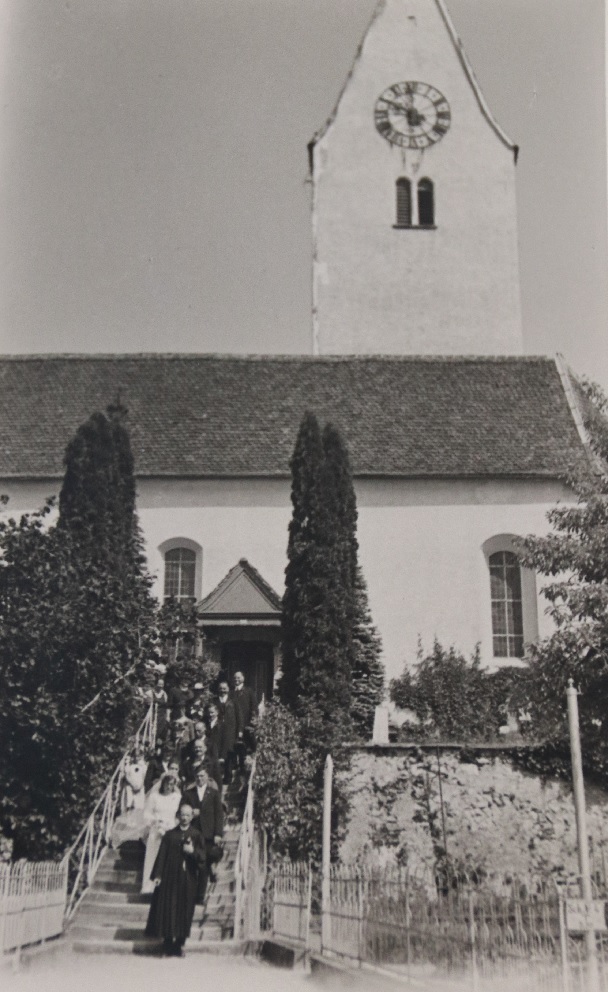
(413, 202)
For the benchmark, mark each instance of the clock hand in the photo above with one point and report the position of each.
(396, 106)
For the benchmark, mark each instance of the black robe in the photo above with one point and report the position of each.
(174, 899)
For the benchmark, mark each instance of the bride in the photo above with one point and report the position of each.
(160, 812)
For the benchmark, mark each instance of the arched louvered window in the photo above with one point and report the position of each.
(507, 606)
(180, 571)
(426, 203)
(404, 202)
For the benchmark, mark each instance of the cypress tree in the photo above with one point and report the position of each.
(368, 678)
(304, 585)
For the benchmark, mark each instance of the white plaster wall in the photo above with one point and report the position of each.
(453, 290)
(420, 544)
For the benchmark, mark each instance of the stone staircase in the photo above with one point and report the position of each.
(113, 913)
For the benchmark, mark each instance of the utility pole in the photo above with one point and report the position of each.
(578, 786)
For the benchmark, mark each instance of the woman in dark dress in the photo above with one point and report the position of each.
(175, 874)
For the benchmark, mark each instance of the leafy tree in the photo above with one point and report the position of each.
(288, 803)
(368, 678)
(181, 644)
(453, 699)
(289, 788)
(575, 557)
(76, 622)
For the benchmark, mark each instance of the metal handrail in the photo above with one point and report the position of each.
(87, 850)
(243, 857)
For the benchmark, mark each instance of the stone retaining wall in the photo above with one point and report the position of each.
(407, 802)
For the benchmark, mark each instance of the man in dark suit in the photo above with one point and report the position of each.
(209, 818)
(227, 715)
(246, 710)
(175, 873)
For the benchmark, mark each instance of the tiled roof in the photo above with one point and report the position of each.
(216, 415)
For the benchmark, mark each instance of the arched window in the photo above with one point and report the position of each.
(180, 572)
(426, 203)
(404, 202)
(507, 605)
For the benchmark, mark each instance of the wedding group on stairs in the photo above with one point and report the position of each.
(167, 879)
(113, 914)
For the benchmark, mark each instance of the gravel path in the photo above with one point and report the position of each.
(131, 973)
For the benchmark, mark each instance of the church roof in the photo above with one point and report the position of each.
(226, 415)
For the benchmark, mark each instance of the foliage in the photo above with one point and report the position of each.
(181, 644)
(287, 802)
(575, 557)
(289, 786)
(454, 699)
(76, 622)
(367, 690)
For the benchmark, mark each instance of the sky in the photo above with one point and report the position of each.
(153, 191)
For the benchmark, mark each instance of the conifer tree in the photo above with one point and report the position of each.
(368, 678)
(304, 582)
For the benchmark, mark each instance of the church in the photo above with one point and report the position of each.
(459, 443)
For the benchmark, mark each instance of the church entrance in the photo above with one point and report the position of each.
(255, 659)
(241, 621)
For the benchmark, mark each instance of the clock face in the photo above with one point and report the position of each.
(412, 115)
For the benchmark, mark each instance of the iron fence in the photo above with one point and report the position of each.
(291, 901)
(32, 902)
(485, 933)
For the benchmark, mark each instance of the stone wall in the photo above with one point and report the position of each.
(406, 802)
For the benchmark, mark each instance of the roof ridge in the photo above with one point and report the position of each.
(287, 358)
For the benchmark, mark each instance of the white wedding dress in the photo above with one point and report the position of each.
(160, 814)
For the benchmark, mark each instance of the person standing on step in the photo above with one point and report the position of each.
(246, 710)
(175, 875)
(205, 800)
(227, 715)
(216, 738)
(159, 816)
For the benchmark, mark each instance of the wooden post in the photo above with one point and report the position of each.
(326, 857)
(578, 785)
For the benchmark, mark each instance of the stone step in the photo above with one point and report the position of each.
(223, 885)
(152, 945)
(215, 904)
(119, 860)
(207, 931)
(110, 873)
(109, 880)
(116, 885)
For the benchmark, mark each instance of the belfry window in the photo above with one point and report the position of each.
(507, 605)
(404, 202)
(426, 203)
(180, 571)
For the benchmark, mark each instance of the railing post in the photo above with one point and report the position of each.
(308, 907)
(473, 939)
(326, 856)
(581, 831)
(360, 935)
(563, 945)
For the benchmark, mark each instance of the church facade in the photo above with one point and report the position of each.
(458, 443)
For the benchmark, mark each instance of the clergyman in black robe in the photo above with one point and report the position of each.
(175, 873)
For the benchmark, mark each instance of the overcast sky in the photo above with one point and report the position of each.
(153, 165)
